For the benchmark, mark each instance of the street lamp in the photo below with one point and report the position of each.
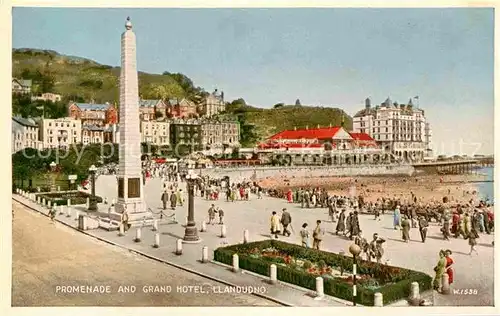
(355, 250)
(53, 166)
(191, 232)
(92, 199)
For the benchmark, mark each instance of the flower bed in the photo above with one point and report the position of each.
(61, 198)
(300, 266)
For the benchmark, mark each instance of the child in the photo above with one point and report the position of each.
(304, 234)
(472, 241)
(52, 213)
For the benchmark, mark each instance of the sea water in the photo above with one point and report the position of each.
(486, 189)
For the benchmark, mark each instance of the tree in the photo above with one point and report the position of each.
(236, 153)
(297, 102)
(278, 105)
(158, 114)
(166, 91)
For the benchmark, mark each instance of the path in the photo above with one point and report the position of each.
(46, 255)
(472, 272)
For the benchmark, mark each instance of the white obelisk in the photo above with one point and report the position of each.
(130, 189)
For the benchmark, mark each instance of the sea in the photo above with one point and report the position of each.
(486, 189)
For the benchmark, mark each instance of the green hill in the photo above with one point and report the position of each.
(257, 124)
(81, 79)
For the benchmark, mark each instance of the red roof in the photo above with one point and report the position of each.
(361, 136)
(295, 145)
(313, 133)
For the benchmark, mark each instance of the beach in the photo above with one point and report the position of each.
(427, 188)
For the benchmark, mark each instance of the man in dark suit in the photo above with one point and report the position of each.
(286, 220)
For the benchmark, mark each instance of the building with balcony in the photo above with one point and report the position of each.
(92, 134)
(401, 129)
(183, 108)
(322, 145)
(155, 132)
(60, 133)
(20, 86)
(112, 134)
(93, 114)
(213, 104)
(150, 110)
(51, 97)
(220, 134)
(185, 136)
(24, 134)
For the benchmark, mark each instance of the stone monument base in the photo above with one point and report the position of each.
(134, 219)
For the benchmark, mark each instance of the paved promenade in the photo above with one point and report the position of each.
(48, 255)
(471, 272)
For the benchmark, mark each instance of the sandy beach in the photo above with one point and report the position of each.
(427, 188)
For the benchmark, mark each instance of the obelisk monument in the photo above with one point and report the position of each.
(130, 188)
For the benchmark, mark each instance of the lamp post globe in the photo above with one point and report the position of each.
(53, 166)
(92, 199)
(191, 232)
(355, 250)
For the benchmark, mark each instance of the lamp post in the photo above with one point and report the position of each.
(53, 166)
(355, 250)
(92, 199)
(191, 232)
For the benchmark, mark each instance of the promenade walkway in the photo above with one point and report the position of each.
(471, 272)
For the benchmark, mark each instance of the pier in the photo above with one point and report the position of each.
(448, 167)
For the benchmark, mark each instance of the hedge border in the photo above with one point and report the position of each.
(393, 292)
(77, 200)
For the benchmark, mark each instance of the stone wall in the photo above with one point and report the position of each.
(255, 173)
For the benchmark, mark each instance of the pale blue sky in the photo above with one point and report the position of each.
(327, 57)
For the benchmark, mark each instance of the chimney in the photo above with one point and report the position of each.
(295, 128)
(318, 125)
(307, 126)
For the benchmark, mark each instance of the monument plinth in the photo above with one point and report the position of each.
(130, 187)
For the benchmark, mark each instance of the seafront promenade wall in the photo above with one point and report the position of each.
(257, 173)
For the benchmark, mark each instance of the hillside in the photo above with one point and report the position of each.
(257, 124)
(82, 80)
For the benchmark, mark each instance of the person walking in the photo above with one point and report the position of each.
(173, 200)
(211, 214)
(439, 270)
(340, 223)
(472, 241)
(446, 227)
(348, 222)
(221, 216)
(286, 219)
(363, 244)
(405, 228)
(376, 248)
(124, 220)
(180, 198)
(317, 235)
(397, 218)
(164, 199)
(423, 226)
(304, 235)
(355, 229)
(275, 222)
(449, 263)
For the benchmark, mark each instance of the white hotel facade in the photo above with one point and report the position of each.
(401, 129)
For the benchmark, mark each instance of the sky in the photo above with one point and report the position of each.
(332, 57)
